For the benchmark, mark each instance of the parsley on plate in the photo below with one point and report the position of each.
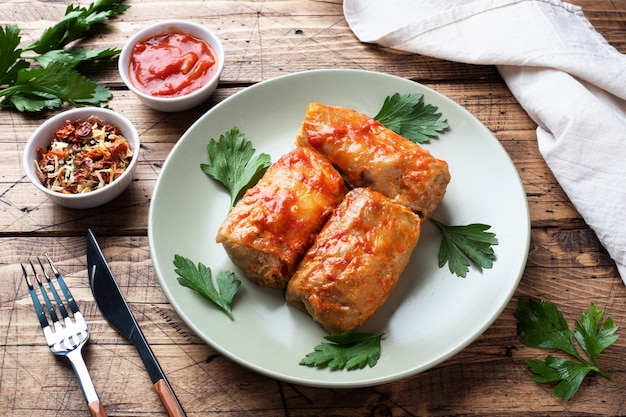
(461, 245)
(200, 279)
(348, 350)
(233, 163)
(409, 116)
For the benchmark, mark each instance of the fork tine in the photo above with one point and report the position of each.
(66, 291)
(33, 295)
(54, 292)
(44, 294)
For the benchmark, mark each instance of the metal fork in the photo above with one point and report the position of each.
(65, 338)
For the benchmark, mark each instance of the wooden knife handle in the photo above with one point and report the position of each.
(167, 398)
(96, 409)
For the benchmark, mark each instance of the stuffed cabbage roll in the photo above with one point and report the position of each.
(370, 155)
(355, 261)
(277, 220)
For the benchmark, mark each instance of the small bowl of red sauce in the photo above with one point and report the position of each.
(82, 158)
(172, 66)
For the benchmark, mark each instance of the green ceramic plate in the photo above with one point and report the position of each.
(430, 316)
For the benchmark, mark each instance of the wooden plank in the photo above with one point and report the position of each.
(266, 39)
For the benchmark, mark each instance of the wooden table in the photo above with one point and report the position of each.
(263, 40)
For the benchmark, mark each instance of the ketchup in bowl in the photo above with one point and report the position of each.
(171, 65)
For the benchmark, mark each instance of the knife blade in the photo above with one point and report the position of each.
(115, 310)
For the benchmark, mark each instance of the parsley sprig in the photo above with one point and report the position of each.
(409, 116)
(542, 325)
(461, 245)
(55, 79)
(76, 23)
(348, 350)
(233, 163)
(200, 279)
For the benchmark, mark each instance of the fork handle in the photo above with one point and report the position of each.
(96, 409)
(80, 369)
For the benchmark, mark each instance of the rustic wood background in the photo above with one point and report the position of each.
(263, 40)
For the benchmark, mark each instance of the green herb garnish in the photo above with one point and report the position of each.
(408, 116)
(200, 279)
(55, 80)
(349, 350)
(232, 163)
(461, 245)
(542, 325)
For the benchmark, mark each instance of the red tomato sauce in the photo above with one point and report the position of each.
(171, 65)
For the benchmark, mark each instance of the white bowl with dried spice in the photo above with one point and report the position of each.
(82, 158)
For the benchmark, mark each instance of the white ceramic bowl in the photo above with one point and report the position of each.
(42, 137)
(179, 103)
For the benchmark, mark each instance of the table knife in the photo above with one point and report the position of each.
(116, 311)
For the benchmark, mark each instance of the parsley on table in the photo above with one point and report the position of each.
(38, 88)
(55, 80)
(233, 163)
(461, 245)
(74, 58)
(76, 23)
(349, 350)
(542, 325)
(408, 116)
(200, 279)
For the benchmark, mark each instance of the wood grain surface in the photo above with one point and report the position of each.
(263, 40)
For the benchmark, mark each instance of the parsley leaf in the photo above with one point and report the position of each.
(542, 325)
(408, 116)
(37, 88)
(200, 279)
(74, 58)
(592, 335)
(232, 163)
(10, 62)
(75, 24)
(350, 350)
(570, 374)
(461, 245)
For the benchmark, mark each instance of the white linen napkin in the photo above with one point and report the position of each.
(565, 75)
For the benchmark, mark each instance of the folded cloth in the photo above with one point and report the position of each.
(564, 74)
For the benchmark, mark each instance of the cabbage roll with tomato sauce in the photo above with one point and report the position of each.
(355, 261)
(370, 155)
(270, 229)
